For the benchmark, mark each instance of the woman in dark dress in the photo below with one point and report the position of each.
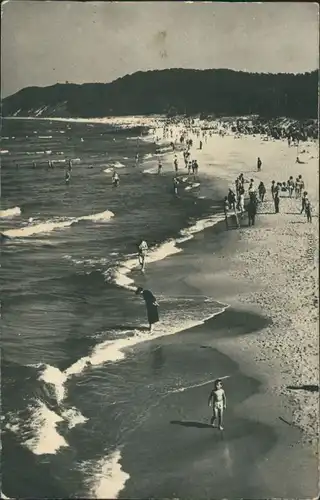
(151, 305)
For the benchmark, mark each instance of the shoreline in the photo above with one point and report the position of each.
(269, 354)
(218, 264)
(250, 238)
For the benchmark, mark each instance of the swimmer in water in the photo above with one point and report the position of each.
(159, 167)
(175, 185)
(115, 179)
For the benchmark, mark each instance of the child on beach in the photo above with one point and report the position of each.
(218, 401)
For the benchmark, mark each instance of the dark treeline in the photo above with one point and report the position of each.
(175, 91)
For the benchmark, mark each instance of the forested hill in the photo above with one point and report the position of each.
(174, 91)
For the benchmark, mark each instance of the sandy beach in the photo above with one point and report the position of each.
(272, 268)
(266, 271)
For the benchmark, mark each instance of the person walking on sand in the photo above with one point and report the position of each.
(259, 164)
(308, 210)
(262, 191)
(196, 167)
(241, 200)
(232, 199)
(251, 188)
(151, 305)
(273, 189)
(218, 401)
(290, 185)
(142, 253)
(175, 163)
(252, 211)
(303, 201)
(226, 210)
(276, 200)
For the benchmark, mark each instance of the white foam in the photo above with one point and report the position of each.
(117, 164)
(43, 227)
(153, 170)
(48, 226)
(53, 376)
(4, 151)
(113, 350)
(73, 417)
(199, 226)
(192, 186)
(108, 478)
(45, 136)
(119, 275)
(46, 439)
(10, 212)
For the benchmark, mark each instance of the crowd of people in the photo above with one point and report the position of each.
(234, 202)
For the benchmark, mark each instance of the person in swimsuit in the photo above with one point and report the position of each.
(307, 209)
(218, 401)
(175, 185)
(175, 163)
(67, 177)
(151, 305)
(142, 252)
(259, 163)
(115, 179)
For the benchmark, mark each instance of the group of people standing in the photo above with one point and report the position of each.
(235, 201)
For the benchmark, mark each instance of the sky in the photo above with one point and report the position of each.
(45, 42)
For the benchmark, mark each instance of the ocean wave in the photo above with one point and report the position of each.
(116, 164)
(4, 151)
(89, 262)
(41, 426)
(106, 477)
(152, 170)
(10, 212)
(113, 350)
(192, 186)
(119, 274)
(46, 439)
(48, 226)
(45, 137)
(199, 226)
(37, 429)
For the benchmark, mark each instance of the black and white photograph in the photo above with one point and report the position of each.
(159, 227)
